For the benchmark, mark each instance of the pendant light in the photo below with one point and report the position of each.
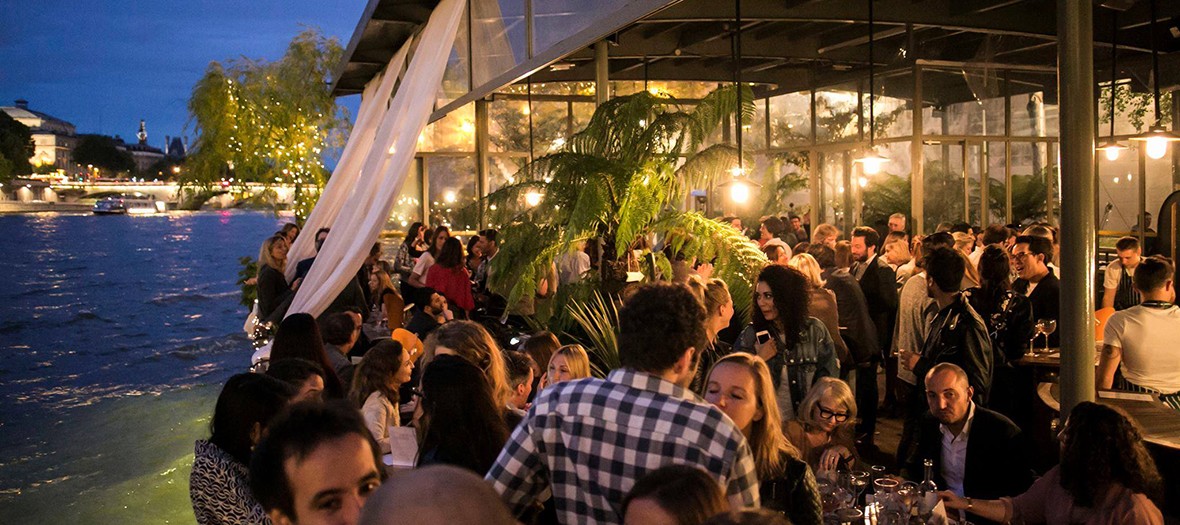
(1157, 137)
(739, 186)
(871, 163)
(1111, 147)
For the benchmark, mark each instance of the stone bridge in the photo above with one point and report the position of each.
(190, 198)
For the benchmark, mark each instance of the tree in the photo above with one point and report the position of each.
(16, 148)
(103, 152)
(616, 181)
(268, 122)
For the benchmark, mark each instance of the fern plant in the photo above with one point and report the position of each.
(617, 183)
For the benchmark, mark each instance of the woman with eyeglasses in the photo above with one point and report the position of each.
(796, 346)
(824, 432)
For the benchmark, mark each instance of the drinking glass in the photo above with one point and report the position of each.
(849, 516)
(859, 481)
(907, 496)
(1050, 326)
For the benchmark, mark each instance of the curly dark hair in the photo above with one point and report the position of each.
(657, 324)
(792, 298)
(1100, 446)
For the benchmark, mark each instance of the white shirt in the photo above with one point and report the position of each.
(1114, 273)
(571, 266)
(1147, 338)
(425, 261)
(954, 453)
(975, 256)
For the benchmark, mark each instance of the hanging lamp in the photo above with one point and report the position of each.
(1111, 147)
(739, 185)
(871, 162)
(1157, 137)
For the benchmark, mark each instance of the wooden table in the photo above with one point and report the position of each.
(1049, 360)
(1159, 422)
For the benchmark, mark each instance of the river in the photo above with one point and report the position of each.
(117, 333)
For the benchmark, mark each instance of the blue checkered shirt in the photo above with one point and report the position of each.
(590, 440)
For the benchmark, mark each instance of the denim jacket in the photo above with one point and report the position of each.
(814, 357)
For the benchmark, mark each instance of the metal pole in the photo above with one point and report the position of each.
(481, 155)
(601, 72)
(1075, 84)
(813, 180)
(917, 178)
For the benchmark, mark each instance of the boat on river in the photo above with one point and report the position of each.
(129, 204)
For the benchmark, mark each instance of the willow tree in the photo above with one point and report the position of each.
(616, 183)
(268, 122)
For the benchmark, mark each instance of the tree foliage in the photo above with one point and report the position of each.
(616, 182)
(16, 148)
(268, 122)
(103, 152)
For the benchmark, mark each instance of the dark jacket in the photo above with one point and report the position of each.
(812, 358)
(958, 335)
(879, 284)
(794, 493)
(996, 464)
(1008, 316)
(274, 296)
(422, 323)
(856, 327)
(1046, 301)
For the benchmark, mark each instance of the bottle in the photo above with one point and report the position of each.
(927, 492)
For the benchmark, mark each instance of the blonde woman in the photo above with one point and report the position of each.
(273, 293)
(823, 302)
(475, 345)
(964, 245)
(739, 384)
(714, 295)
(568, 363)
(824, 427)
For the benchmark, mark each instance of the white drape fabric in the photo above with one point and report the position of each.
(363, 214)
(342, 183)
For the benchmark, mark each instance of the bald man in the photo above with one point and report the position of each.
(436, 495)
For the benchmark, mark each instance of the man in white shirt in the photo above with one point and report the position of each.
(1142, 338)
(976, 452)
(1118, 284)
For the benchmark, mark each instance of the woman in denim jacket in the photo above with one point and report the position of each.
(800, 349)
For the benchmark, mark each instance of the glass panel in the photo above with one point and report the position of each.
(408, 206)
(832, 189)
(967, 102)
(501, 36)
(997, 184)
(454, 132)
(549, 127)
(502, 170)
(582, 113)
(1118, 191)
(1159, 186)
(1030, 173)
(785, 182)
(452, 192)
(508, 125)
(887, 192)
(556, 20)
(456, 80)
(894, 117)
(1034, 104)
(943, 185)
(1135, 111)
(835, 110)
(790, 120)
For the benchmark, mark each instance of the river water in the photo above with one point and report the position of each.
(116, 333)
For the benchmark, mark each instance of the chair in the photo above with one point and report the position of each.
(1100, 318)
(395, 313)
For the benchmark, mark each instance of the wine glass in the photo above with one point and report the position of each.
(1050, 326)
(907, 496)
(859, 481)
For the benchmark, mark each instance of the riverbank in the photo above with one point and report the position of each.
(7, 207)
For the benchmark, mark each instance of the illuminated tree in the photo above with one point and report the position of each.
(268, 122)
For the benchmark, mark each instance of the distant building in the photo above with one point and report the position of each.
(175, 148)
(54, 138)
(145, 156)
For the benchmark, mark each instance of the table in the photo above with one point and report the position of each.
(1159, 422)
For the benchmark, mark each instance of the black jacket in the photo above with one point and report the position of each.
(1046, 301)
(958, 335)
(1009, 318)
(274, 296)
(856, 326)
(996, 464)
(795, 493)
(879, 285)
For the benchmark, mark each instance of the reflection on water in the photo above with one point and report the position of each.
(117, 332)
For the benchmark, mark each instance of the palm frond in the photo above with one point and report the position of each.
(598, 320)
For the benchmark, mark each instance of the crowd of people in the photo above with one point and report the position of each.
(706, 418)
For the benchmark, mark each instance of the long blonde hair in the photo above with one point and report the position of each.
(843, 395)
(266, 259)
(712, 293)
(807, 264)
(475, 345)
(767, 441)
(577, 359)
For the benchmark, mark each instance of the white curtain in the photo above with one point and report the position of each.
(342, 183)
(363, 214)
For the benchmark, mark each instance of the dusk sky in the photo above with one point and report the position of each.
(105, 64)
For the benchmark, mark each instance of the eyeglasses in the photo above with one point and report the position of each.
(838, 417)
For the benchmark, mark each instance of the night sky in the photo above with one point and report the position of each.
(105, 64)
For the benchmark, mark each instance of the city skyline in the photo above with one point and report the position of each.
(148, 57)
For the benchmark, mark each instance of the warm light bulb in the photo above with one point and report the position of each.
(449, 196)
(1112, 154)
(739, 192)
(873, 165)
(1157, 147)
(863, 181)
(532, 198)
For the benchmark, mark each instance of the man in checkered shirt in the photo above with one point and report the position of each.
(586, 442)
